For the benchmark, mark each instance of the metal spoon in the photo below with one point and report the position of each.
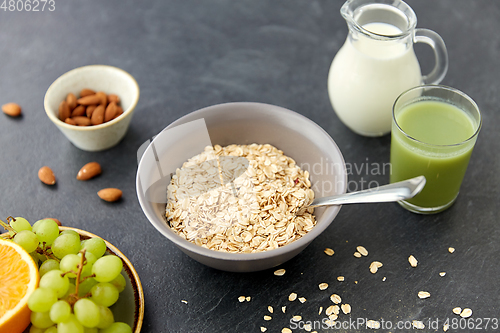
(405, 189)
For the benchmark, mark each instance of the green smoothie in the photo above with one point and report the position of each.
(435, 149)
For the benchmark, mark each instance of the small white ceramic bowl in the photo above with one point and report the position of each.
(109, 79)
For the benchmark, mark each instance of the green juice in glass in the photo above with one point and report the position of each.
(435, 145)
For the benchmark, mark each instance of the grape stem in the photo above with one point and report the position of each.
(7, 227)
(73, 298)
(44, 250)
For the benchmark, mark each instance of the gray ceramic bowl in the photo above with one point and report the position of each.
(241, 123)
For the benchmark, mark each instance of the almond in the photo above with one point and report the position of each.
(81, 121)
(102, 97)
(98, 115)
(69, 121)
(89, 100)
(71, 100)
(64, 111)
(78, 111)
(90, 109)
(119, 111)
(110, 112)
(86, 92)
(113, 98)
(46, 175)
(89, 170)
(11, 109)
(110, 194)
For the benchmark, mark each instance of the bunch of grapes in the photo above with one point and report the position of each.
(78, 282)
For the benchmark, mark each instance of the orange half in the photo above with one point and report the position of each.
(18, 279)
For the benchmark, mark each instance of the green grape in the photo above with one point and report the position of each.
(34, 329)
(70, 325)
(119, 282)
(70, 262)
(35, 257)
(46, 230)
(104, 293)
(52, 329)
(41, 319)
(42, 299)
(70, 232)
(47, 266)
(117, 328)
(85, 286)
(55, 281)
(107, 268)
(95, 245)
(86, 312)
(89, 257)
(27, 239)
(60, 311)
(19, 224)
(41, 257)
(90, 330)
(106, 317)
(71, 290)
(65, 244)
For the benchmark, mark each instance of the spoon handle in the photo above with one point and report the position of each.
(405, 189)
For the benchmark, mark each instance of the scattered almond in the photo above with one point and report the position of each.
(110, 194)
(46, 175)
(12, 109)
(413, 261)
(110, 112)
(89, 170)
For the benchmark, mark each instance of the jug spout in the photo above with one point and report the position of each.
(361, 13)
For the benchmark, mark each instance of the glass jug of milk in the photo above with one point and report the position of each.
(377, 63)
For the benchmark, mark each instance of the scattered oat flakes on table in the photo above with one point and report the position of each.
(292, 297)
(418, 324)
(374, 266)
(446, 327)
(340, 278)
(283, 309)
(346, 308)
(286, 330)
(320, 310)
(267, 318)
(442, 274)
(424, 294)
(357, 255)
(457, 310)
(451, 249)
(184, 301)
(335, 298)
(373, 324)
(466, 313)
(362, 250)
(263, 329)
(270, 309)
(297, 318)
(279, 272)
(329, 251)
(248, 298)
(241, 299)
(302, 299)
(323, 286)
(413, 261)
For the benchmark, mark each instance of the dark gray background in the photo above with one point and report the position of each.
(189, 54)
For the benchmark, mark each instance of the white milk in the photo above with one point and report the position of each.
(366, 77)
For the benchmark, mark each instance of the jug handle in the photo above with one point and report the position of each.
(441, 55)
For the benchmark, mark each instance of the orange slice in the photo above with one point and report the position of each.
(18, 279)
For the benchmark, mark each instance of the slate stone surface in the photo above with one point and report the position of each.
(192, 53)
